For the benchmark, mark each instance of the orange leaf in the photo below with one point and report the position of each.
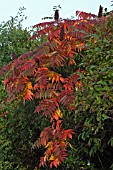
(58, 42)
(35, 86)
(56, 94)
(28, 94)
(61, 79)
(54, 116)
(71, 62)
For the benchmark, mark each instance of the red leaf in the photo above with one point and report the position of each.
(43, 141)
(56, 103)
(70, 136)
(55, 163)
(35, 86)
(6, 81)
(58, 124)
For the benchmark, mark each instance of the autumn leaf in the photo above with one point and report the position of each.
(6, 81)
(58, 124)
(35, 86)
(43, 141)
(55, 162)
(51, 158)
(28, 94)
(54, 77)
(58, 112)
(67, 133)
(54, 116)
(29, 85)
(49, 144)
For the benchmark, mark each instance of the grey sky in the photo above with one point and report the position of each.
(37, 9)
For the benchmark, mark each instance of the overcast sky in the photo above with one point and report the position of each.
(37, 9)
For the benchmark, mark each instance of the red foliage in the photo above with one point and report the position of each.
(54, 139)
(31, 76)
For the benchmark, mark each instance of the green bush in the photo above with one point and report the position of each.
(19, 126)
(92, 119)
(20, 129)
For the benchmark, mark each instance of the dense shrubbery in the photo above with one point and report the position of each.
(16, 128)
(91, 120)
(93, 117)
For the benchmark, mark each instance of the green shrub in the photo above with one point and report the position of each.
(93, 116)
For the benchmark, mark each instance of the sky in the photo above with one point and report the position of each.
(38, 9)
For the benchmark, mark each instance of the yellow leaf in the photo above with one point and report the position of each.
(58, 112)
(29, 85)
(69, 145)
(48, 145)
(52, 157)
